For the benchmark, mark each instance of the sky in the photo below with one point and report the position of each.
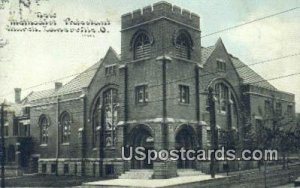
(29, 59)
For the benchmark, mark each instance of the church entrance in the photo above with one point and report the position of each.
(185, 138)
(141, 137)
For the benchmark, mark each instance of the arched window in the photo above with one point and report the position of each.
(65, 122)
(110, 105)
(222, 94)
(227, 110)
(141, 46)
(105, 118)
(96, 121)
(44, 125)
(183, 45)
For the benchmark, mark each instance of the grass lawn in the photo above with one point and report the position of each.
(48, 181)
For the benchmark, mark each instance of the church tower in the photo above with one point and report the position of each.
(160, 53)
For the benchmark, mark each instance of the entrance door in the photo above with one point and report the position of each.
(185, 138)
(141, 137)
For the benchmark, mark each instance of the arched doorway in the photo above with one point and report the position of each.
(185, 138)
(141, 137)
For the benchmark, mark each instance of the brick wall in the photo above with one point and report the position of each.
(162, 22)
(210, 75)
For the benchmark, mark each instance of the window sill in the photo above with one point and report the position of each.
(44, 145)
(141, 59)
(184, 59)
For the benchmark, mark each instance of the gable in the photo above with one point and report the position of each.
(217, 61)
(85, 78)
(246, 74)
(111, 57)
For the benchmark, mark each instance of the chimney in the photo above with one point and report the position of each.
(58, 85)
(18, 95)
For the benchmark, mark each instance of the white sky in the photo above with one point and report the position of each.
(32, 58)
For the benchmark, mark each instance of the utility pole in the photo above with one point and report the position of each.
(59, 127)
(229, 135)
(112, 118)
(212, 115)
(2, 145)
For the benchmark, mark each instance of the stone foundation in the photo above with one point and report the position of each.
(78, 167)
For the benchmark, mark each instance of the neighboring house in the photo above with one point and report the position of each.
(17, 134)
(154, 95)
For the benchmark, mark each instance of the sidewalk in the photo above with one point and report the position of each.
(174, 181)
(149, 183)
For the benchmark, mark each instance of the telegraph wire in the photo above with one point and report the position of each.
(252, 21)
(223, 30)
(170, 82)
(176, 96)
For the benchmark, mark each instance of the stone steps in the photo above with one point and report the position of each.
(147, 173)
(188, 172)
(137, 174)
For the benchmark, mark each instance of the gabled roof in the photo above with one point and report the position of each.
(36, 95)
(112, 54)
(83, 80)
(75, 85)
(80, 81)
(249, 76)
(206, 52)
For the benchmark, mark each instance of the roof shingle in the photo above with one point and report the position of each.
(35, 95)
(249, 76)
(80, 81)
(205, 53)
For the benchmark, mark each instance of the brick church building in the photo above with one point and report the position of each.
(153, 94)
